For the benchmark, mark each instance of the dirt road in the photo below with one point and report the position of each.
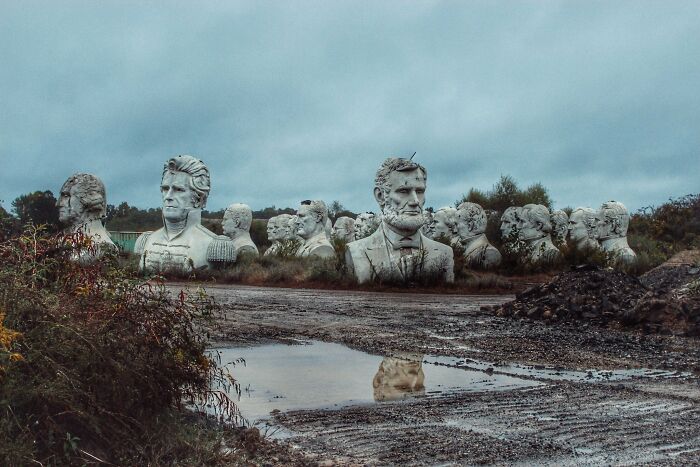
(633, 420)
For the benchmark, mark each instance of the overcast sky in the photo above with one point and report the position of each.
(286, 101)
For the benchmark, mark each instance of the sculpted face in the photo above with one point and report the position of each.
(343, 229)
(306, 222)
(442, 224)
(529, 230)
(178, 198)
(606, 227)
(229, 224)
(509, 221)
(402, 204)
(271, 229)
(70, 209)
(578, 230)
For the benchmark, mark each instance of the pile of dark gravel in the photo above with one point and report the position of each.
(585, 293)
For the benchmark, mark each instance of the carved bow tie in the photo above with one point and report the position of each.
(407, 242)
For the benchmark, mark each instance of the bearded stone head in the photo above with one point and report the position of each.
(399, 189)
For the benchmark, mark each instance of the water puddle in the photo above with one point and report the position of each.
(323, 375)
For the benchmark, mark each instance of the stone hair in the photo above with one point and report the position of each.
(617, 211)
(241, 213)
(395, 164)
(345, 221)
(200, 182)
(90, 191)
(318, 207)
(589, 219)
(559, 217)
(510, 211)
(538, 213)
(476, 213)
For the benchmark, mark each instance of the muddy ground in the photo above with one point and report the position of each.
(637, 420)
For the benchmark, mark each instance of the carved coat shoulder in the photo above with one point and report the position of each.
(140, 244)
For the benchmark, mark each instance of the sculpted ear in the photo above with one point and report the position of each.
(379, 196)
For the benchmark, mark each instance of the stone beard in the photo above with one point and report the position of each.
(82, 204)
(311, 226)
(613, 221)
(183, 244)
(398, 250)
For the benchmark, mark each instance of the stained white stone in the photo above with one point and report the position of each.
(444, 223)
(613, 221)
(311, 227)
(469, 232)
(560, 226)
(183, 244)
(236, 225)
(272, 237)
(82, 205)
(509, 223)
(344, 229)
(583, 228)
(398, 250)
(365, 225)
(535, 229)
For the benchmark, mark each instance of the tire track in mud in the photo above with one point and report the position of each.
(637, 420)
(558, 424)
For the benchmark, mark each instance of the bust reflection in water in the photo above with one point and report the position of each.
(399, 377)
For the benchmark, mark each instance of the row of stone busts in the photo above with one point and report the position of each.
(588, 229)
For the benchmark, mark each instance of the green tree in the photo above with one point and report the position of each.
(38, 208)
(505, 193)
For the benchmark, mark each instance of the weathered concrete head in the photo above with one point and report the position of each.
(583, 225)
(272, 228)
(184, 186)
(399, 189)
(470, 220)
(613, 220)
(364, 224)
(444, 222)
(82, 199)
(560, 225)
(509, 221)
(285, 227)
(237, 218)
(344, 229)
(535, 222)
(311, 218)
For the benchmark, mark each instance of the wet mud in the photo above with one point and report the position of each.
(574, 415)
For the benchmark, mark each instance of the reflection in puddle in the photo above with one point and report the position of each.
(399, 377)
(322, 375)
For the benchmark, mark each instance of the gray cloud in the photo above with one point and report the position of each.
(294, 100)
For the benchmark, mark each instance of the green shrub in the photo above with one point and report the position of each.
(103, 362)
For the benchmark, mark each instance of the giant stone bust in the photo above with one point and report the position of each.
(469, 232)
(236, 225)
(535, 230)
(344, 229)
(183, 244)
(613, 221)
(398, 250)
(583, 229)
(82, 204)
(311, 227)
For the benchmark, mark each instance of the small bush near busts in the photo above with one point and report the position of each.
(95, 363)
